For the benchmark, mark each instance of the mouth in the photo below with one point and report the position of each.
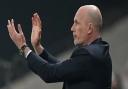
(74, 35)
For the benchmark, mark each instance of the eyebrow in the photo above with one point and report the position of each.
(76, 21)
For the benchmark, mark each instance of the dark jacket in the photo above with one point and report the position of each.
(89, 67)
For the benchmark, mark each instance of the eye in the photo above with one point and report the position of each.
(76, 22)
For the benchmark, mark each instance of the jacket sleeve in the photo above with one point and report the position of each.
(48, 57)
(75, 68)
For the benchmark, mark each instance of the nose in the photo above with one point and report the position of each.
(72, 28)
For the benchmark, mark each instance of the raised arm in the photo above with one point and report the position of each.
(76, 68)
(36, 34)
(36, 37)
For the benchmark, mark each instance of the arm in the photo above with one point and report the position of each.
(36, 34)
(77, 67)
(36, 37)
(48, 57)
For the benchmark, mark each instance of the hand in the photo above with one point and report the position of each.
(17, 37)
(36, 34)
(36, 30)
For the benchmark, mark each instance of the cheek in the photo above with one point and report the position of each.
(80, 32)
(82, 35)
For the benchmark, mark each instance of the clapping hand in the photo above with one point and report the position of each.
(17, 37)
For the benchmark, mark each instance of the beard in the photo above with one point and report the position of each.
(76, 42)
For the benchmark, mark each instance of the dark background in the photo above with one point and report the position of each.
(57, 17)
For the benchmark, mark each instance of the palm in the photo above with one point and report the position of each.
(36, 30)
(35, 36)
(17, 37)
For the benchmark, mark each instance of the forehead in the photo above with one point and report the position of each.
(81, 15)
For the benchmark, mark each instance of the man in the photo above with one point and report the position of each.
(89, 66)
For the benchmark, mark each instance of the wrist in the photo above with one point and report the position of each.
(38, 49)
(24, 50)
(20, 47)
(27, 51)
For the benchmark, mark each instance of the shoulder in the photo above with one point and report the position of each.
(79, 51)
(98, 50)
(95, 50)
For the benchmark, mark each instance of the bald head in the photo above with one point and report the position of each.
(93, 14)
(87, 25)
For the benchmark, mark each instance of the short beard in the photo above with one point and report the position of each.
(76, 43)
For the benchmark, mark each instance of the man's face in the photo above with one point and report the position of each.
(80, 29)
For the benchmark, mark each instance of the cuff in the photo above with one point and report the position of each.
(26, 54)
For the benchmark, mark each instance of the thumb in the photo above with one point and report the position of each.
(20, 29)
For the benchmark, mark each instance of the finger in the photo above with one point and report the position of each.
(9, 26)
(9, 23)
(13, 26)
(35, 14)
(34, 19)
(20, 29)
(37, 17)
(9, 29)
(39, 20)
(12, 22)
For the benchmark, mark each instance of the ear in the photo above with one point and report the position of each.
(90, 28)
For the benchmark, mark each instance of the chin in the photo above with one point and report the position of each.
(76, 43)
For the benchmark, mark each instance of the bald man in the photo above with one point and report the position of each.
(89, 66)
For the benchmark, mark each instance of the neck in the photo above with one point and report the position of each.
(92, 38)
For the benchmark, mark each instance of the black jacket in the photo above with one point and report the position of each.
(89, 67)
